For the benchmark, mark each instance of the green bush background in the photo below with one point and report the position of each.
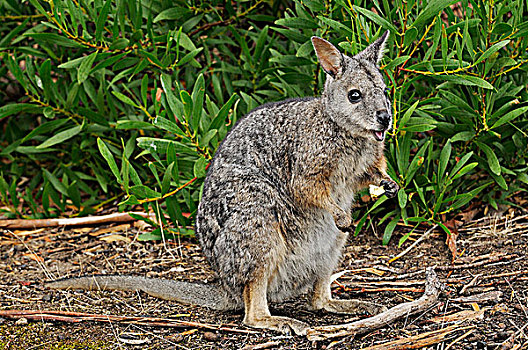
(105, 102)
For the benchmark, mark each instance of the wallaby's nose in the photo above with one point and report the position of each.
(383, 118)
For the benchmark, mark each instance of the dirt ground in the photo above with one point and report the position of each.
(491, 258)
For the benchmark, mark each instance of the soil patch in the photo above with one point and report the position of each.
(492, 258)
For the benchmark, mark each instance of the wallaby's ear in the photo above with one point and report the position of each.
(329, 56)
(374, 52)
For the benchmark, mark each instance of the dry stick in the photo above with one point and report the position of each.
(419, 341)
(465, 335)
(90, 220)
(424, 236)
(67, 316)
(433, 287)
(267, 345)
(491, 260)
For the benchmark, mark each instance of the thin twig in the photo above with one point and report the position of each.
(424, 236)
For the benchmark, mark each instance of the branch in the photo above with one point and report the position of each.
(227, 21)
(75, 317)
(90, 220)
(433, 287)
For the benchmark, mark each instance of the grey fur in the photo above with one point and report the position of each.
(279, 187)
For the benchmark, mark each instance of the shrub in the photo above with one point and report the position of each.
(127, 101)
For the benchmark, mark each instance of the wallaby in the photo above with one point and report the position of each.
(277, 193)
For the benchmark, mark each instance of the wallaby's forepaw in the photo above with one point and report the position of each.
(343, 220)
(281, 324)
(353, 306)
(391, 188)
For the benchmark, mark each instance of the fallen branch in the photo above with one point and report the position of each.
(75, 317)
(433, 287)
(90, 220)
(494, 295)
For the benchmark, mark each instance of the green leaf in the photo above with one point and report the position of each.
(292, 35)
(198, 101)
(130, 200)
(74, 194)
(493, 161)
(466, 169)
(377, 19)
(16, 108)
(469, 80)
(185, 59)
(463, 136)
(204, 141)
(144, 90)
(119, 44)
(432, 9)
(61, 137)
(52, 38)
(490, 51)
(523, 177)
(396, 62)
(45, 128)
(72, 63)
(444, 159)
(107, 155)
(85, 67)
(199, 167)
(410, 36)
(291, 60)
(508, 117)
(149, 236)
(142, 192)
(59, 186)
(220, 118)
(125, 99)
(167, 176)
(174, 13)
(461, 163)
(169, 126)
(500, 180)
(187, 104)
(337, 26)
(155, 145)
(101, 20)
(407, 115)
(297, 22)
(261, 41)
(132, 124)
(175, 105)
(402, 198)
(45, 77)
(389, 229)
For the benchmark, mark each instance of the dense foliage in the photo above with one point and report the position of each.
(104, 101)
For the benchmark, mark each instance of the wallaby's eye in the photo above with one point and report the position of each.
(354, 96)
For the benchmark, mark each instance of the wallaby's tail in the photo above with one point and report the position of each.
(208, 295)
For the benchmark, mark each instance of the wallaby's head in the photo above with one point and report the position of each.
(355, 94)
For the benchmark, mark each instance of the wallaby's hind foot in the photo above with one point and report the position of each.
(322, 300)
(257, 313)
(281, 324)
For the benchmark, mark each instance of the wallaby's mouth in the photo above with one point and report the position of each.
(379, 135)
